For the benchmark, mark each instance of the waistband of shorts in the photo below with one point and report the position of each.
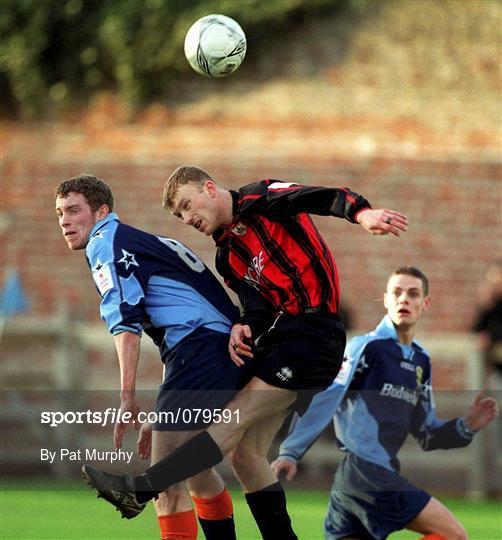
(313, 311)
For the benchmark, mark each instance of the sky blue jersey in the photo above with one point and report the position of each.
(382, 392)
(154, 284)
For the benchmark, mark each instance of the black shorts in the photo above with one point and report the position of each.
(369, 501)
(302, 352)
(199, 379)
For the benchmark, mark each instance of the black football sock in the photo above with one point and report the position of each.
(218, 529)
(268, 507)
(192, 457)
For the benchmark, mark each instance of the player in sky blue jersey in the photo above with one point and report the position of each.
(382, 393)
(156, 285)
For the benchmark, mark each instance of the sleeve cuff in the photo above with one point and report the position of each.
(463, 430)
(133, 328)
(288, 457)
(359, 211)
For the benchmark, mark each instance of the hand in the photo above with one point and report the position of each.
(144, 443)
(382, 221)
(481, 412)
(130, 405)
(289, 467)
(240, 337)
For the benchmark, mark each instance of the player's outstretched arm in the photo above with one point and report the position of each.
(481, 412)
(382, 221)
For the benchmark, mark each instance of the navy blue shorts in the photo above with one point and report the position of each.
(199, 379)
(370, 502)
(301, 352)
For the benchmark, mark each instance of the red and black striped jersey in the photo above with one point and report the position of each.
(274, 249)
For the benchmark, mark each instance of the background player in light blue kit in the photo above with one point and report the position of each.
(382, 393)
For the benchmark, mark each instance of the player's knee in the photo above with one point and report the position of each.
(244, 461)
(237, 459)
(206, 484)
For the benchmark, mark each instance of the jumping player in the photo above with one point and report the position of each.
(271, 254)
(156, 285)
(382, 393)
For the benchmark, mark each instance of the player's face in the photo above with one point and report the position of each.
(198, 206)
(405, 300)
(76, 219)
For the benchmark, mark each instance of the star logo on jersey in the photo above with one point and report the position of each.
(128, 259)
(240, 229)
(425, 390)
(98, 234)
(362, 364)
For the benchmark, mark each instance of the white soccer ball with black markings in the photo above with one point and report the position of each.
(215, 46)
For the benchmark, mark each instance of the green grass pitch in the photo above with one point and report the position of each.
(75, 513)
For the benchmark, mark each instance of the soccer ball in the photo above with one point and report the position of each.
(215, 46)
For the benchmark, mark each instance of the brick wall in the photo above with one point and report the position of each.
(403, 106)
(453, 206)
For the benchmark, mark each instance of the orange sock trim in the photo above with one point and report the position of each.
(179, 526)
(219, 507)
(432, 537)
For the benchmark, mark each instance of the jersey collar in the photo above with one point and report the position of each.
(112, 216)
(387, 329)
(221, 234)
(235, 202)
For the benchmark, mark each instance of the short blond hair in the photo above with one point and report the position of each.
(415, 272)
(181, 176)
